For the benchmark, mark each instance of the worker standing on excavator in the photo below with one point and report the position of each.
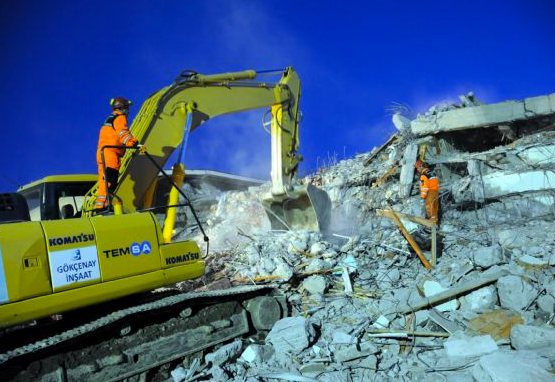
(429, 190)
(114, 132)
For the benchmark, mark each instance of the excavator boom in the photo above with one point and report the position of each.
(160, 126)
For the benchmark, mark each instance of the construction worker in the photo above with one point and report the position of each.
(429, 190)
(114, 132)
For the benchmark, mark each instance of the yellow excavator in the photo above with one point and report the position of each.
(57, 255)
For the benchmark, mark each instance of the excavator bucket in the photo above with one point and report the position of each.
(303, 208)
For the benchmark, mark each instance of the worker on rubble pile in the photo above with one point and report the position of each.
(429, 190)
(114, 132)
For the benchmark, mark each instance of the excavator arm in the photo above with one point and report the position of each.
(196, 98)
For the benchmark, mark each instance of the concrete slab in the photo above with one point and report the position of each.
(470, 347)
(532, 337)
(484, 115)
(540, 105)
(503, 183)
(514, 366)
(291, 334)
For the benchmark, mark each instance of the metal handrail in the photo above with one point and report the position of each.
(205, 237)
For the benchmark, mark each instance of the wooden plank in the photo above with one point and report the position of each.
(387, 174)
(451, 293)
(411, 241)
(434, 246)
(414, 219)
(403, 333)
(372, 156)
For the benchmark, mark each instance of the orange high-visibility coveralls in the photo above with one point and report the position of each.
(114, 132)
(429, 191)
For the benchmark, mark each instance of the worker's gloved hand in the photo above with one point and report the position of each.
(142, 148)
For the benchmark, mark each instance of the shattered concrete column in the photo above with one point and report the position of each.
(475, 172)
(407, 171)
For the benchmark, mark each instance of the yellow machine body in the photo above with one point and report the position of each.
(49, 267)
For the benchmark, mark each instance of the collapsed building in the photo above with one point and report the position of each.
(363, 305)
(382, 295)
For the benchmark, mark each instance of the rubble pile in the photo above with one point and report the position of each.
(363, 305)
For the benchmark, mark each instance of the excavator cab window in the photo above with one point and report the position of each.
(56, 200)
(33, 202)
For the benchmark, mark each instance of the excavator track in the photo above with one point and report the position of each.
(140, 338)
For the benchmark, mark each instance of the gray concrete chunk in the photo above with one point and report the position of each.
(470, 347)
(400, 122)
(351, 352)
(532, 337)
(514, 293)
(225, 353)
(257, 353)
(514, 366)
(480, 300)
(486, 257)
(291, 334)
(315, 284)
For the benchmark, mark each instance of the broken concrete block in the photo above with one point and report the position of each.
(470, 347)
(483, 115)
(400, 122)
(312, 369)
(283, 270)
(512, 366)
(381, 323)
(486, 257)
(480, 300)
(317, 264)
(317, 248)
(368, 365)
(257, 353)
(343, 338)
(225, 353)
(351, 352)
(532, 337)
(291, 334)
(315, 284)
(514, 293)
(511, 238)
(546, 303)
(179, 374)
(528, 261)
(537, 155)
(501, 183)
(433, 287)
(268, 265)
(540, 105)
(386, 278)
(297, 245)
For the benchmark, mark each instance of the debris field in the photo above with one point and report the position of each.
(472, 300)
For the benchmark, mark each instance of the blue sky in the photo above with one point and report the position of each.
(62, 61)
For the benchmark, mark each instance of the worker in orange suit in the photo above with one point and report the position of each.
(114, 132)
(429, 190)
